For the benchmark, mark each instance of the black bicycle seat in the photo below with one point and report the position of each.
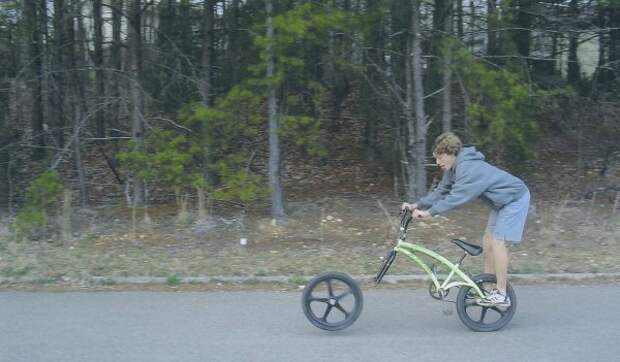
(470, 249)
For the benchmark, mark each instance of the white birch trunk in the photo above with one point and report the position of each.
(419, 180)
(275, 182)
(137, 101)
(446, 120)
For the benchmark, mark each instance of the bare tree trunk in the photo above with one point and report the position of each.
(137, 99)
(58, 75)
(415, 97)
(80, 108)
(421, 128)
(9, 176)
(410, 118)
(459, 19)
(206, 85)
(523, 20)
(554, 51)
(202, 205)
(46, 91)
(492, 20)
(602, 44)
(98, 63)
(446, 120)
(207, 53)
(573, 76)
(614, 41)
(77, 153)
(114, 85)
(67, 233)
(275, 182)
(234, 50)
(376, 54)
(329, 76)
(35, 55)
(117, 62)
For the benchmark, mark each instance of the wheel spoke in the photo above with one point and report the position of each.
(327, 311)
(476, 312)
(501, 312)
(322, 300)
(329, 288)
(331, 301)
(471, 303)
(340, 308)
(483, 314)
(343, 295)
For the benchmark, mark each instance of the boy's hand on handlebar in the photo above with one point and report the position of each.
(420, 214)
(409, 206)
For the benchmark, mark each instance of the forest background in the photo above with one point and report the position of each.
(181, 138)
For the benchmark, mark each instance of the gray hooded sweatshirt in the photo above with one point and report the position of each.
(471, 177)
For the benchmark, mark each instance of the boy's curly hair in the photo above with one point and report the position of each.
(447, 143)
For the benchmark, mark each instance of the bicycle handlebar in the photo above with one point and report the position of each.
(404, 222)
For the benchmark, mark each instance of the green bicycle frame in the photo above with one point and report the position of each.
(411, 249)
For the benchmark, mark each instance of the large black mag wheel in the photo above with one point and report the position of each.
(332, 301)
(482, 318)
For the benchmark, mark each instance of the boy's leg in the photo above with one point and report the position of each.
(487, 247)
(506, 224)
(509, 225)
(500, 258)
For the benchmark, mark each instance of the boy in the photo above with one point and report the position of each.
(467, 176)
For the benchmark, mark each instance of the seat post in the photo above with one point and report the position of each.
(458, 263)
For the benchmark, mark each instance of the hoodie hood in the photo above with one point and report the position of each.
(468, 153)
(472, 177)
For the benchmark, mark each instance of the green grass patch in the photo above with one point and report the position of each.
(89, 238)
(173, 280)
(45, 281)
(527, 267)
(260, 273)
(16, 271)
(297, 280)
(108, 282)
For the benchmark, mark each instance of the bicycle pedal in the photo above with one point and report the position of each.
(482, 302)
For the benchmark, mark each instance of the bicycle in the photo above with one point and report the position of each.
(332, 291)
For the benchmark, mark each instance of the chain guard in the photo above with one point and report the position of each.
(435, 294)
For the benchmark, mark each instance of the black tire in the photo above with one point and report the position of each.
(479, 318)
(332, 301)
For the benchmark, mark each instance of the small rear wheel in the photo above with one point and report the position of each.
(483, 318)
(332, 301)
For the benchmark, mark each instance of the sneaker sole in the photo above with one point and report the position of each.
(489, 304)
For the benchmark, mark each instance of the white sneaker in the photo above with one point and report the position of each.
(495, 299)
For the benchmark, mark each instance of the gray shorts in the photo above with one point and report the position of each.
(508, 222)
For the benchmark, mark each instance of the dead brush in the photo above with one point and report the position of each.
(578, 223)
(553, 221)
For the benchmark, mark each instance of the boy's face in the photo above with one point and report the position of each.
(445, 161)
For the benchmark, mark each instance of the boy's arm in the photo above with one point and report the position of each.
(442, 189)
(467, 186)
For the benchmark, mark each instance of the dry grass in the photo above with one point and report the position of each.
(347, 234)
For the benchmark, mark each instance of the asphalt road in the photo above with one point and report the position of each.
(553, 323)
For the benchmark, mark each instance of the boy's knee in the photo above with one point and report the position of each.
(487, 240)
